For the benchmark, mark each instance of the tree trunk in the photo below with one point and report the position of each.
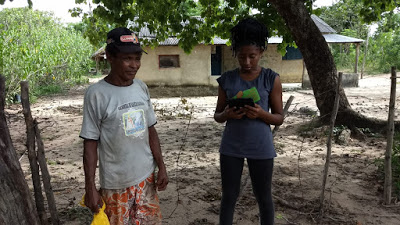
(321, 66)
(16, 203)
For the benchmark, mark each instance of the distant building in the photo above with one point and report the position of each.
(168, 64)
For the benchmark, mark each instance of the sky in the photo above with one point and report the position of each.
(60, 7)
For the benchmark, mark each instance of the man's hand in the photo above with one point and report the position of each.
(92, 197)
(93, 200)
(162, 180)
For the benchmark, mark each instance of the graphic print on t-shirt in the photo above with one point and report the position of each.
(249, 93)
(134, 122)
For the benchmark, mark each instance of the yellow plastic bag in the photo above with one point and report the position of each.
(99, 218)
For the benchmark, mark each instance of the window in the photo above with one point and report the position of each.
(292, 53)
(168, 61)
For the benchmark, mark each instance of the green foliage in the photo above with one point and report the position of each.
(218, 17)
(386, 47)
(390, 22)
(37, 48)
(344, 15)
(385, 44)
(175, 18)
(395, 166)
(347, 19)
(93, 27)
(373, 10)
(47, 90)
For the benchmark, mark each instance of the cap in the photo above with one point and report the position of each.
(124, 40)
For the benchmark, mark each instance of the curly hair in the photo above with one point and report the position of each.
(249, 32)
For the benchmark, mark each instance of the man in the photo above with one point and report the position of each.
(118, 129)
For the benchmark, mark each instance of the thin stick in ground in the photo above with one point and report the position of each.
(177, 162)
(329, 145)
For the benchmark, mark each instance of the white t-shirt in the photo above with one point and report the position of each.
(118, 118)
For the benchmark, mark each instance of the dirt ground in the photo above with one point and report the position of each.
(190, 140)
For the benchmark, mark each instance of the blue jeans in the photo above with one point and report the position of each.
(261, 178)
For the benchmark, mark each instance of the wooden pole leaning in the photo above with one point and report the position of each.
(46, 176)
(329, 144)
(285, 110)
(30, 143)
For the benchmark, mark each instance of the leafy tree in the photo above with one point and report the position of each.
(385, 49)
(16, 200)
(289, 19)
(38, 48)
(389, 23)
(345, 14)
(374, 10)
(92, 27)
(384, 44)
(217, 18)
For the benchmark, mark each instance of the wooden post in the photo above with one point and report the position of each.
(357, 56)
(46, 176)
(285, 110)
(30, 143)
(97, 65)
(304, 73)
(365, 56)
(329, 144)
(387, 191)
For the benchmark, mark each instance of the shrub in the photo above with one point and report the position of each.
(38, 48)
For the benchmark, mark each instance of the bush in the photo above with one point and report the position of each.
(38, 48)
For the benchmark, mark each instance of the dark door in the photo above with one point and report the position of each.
(216, 61)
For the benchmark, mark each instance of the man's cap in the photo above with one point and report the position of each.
(124, 40)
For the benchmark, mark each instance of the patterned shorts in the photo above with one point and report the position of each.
(137, 205)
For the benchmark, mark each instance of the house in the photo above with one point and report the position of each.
(168, 64)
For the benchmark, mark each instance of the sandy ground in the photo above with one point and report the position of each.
(190, 140)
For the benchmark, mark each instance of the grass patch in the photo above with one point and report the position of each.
(51, 162)
(81, 214)
(308, 127)
(48, 90)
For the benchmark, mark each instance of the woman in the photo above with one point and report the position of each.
(247, 133)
